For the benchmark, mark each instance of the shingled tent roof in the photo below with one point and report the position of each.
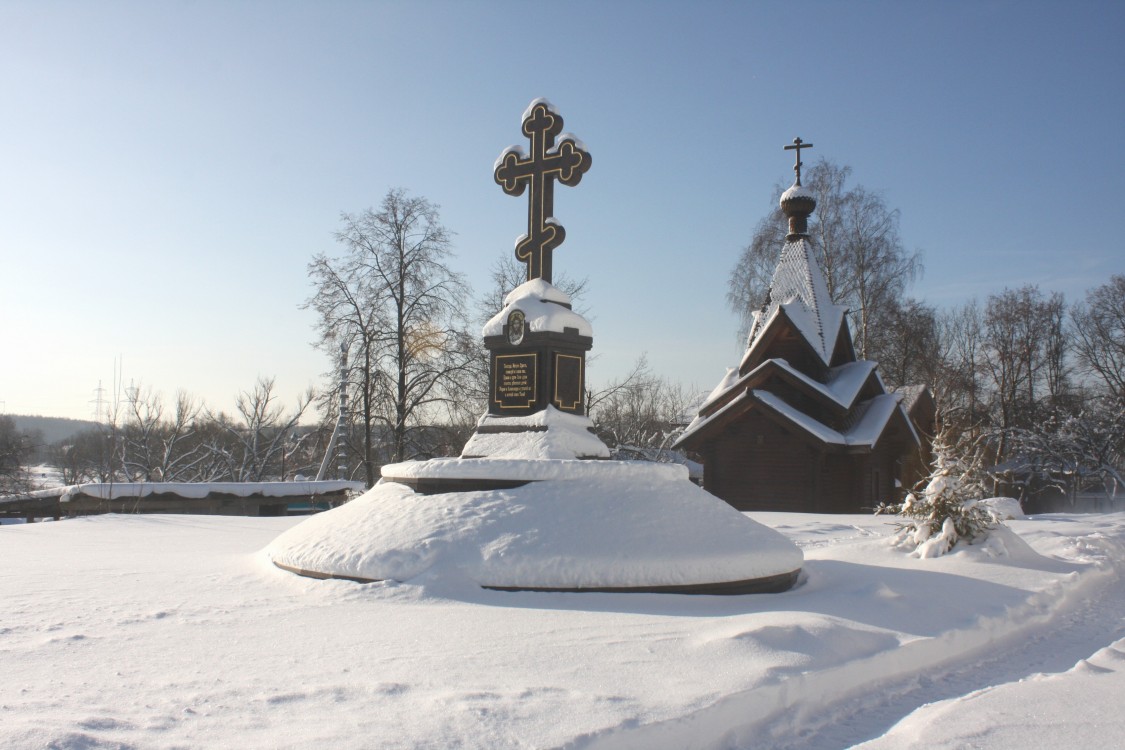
(833, 399)
(799, 292)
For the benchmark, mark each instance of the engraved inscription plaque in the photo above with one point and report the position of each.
(513, 380)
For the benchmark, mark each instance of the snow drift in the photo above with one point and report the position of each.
(625, 529)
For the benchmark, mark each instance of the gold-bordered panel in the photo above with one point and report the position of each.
(531, 386)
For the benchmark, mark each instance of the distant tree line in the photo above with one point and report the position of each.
(146, 440)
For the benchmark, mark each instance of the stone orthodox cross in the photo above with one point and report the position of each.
(566, 162)
(798, 144)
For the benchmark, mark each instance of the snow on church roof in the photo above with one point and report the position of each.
(865, 427)
(844, 382)
(799, 288)
(865, 431)
(797, 191)
(700, 422)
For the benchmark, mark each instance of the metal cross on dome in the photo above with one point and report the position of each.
(565, 162)
(798, 144)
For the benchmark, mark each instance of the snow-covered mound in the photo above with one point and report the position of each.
(1004, 508)
(546, 434)
(625, 529)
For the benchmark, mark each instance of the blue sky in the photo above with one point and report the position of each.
(167, 169)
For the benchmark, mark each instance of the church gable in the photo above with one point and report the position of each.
(827, 402)
(781, 338)
(843, 351)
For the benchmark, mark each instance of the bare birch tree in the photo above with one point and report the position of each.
(1024, 356)
(395, 300)
(856, 239)
(1098, 335)
(960, 388)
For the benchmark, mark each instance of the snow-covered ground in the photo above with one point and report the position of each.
(175, 631)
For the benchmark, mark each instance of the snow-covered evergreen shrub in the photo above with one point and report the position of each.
(949, 508)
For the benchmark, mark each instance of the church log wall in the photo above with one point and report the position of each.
(756, 465)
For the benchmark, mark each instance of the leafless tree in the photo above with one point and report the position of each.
(907, 345)
(639, 378)
(1024, 356)
(959, 387)
(14, 448)
(858, 246)
(1075, 451)
(1098, 335)
(156, 449)
(140, 434)
(640, 414)
(507, 274)
(400, 307)
(257, 441)
(348, 319)
(90, 456)
(181, 450)
(1056, 350)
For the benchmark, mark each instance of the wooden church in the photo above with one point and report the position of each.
(802, 425)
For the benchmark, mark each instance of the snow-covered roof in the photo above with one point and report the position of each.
(909, 394)
(865, 425)
(702, 421)
(724, 385)
(797, 191)
(799, 288)
(761, 321)
(844, 382)
(544, 307)
(871, 419)
(804, 421)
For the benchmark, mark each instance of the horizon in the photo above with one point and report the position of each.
(169, 170)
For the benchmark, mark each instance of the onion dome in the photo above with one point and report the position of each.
(798, 202)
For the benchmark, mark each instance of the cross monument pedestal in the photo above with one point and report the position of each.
(537, 344)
